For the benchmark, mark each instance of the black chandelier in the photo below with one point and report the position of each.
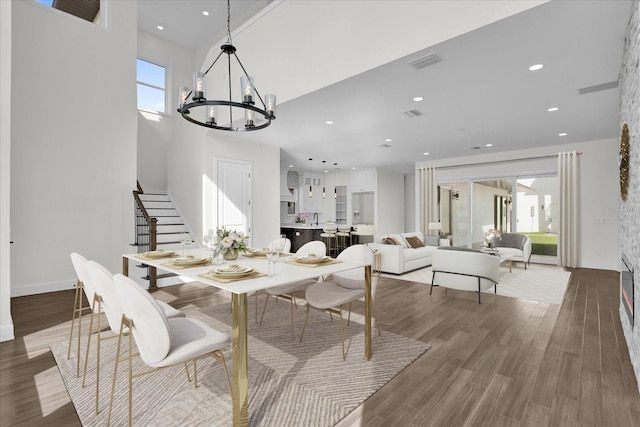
(248, 90)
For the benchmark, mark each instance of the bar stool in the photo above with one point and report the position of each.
(364, 230)
(344, 231)
(329, 238)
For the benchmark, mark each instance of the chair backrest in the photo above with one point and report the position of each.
(287, 245)
(314, 247)
(150, 325)
(366, 229)
(330, 228)
(80, 266)
(460, 269)
(103, 284)
(354, 279)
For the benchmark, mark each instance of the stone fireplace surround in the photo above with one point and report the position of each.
(629, 226)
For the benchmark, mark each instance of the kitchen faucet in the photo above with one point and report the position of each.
(315, 215)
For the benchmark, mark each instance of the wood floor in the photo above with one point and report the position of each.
(505, 362)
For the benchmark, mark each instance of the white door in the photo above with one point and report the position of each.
(234, 194)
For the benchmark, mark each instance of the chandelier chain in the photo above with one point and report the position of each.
(249, 93)
(229, 21)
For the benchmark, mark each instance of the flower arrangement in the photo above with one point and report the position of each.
(490, 235)
(231, 240)
(301, 218)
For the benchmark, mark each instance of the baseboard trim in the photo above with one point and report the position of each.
(6, 333)
(42, 288)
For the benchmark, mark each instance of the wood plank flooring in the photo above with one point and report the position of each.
(506, 362)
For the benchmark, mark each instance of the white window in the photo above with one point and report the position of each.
(152, 92)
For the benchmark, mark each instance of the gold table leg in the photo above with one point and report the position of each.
(240, 390)
(125, 266)
(367, 312)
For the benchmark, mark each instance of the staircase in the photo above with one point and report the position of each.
(169, 228)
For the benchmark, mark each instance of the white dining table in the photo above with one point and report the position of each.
(286, 273)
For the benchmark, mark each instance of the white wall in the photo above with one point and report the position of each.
(156, 131)
(389, 202)
(192, 177)
(599, 241)
(73, 156)
(6, 323)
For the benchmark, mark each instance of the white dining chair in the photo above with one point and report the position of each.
(162, 342)
(341, 288)
(83, 285)
(286, 247)
(289, 290)
(105, 298)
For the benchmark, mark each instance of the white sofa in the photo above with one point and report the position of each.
(401, 258)
(465, 269)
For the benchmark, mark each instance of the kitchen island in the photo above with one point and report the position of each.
(299, 234)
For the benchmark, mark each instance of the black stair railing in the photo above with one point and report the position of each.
(146, 232)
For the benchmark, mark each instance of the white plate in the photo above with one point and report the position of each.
(255, 254)
(189, 260)
(160, 253)
(313, 260)
(233, 269)
(229, 273)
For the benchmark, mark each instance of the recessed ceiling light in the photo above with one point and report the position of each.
(353, 167)
(488, 145)
(205, 13)
(562, 134)
(425, 154)
(160, 27)
(290, 166)
(418, 98)
(329, 122)
(536, 67)
(553, 109)
(387, 140)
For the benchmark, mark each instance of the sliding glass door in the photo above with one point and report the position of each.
(469, 209)
(537, 215)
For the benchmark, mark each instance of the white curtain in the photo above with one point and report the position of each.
(428, 198)
(568, 174)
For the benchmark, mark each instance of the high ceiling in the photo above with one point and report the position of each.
(481, 92)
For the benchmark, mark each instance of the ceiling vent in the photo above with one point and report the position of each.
(412, 113)
(425, 61)
(384, 145)
(598, 88)
(475, 148)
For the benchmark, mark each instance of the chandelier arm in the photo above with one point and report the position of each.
(254, 87)
(214, 62)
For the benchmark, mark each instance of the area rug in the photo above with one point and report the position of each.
(540, 283)
(290, 383)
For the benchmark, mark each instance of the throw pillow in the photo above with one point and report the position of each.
(415, 242)
(432, 240)
(390, 241)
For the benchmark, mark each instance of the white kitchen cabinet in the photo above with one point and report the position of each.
(310, 205)
(362, 181)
